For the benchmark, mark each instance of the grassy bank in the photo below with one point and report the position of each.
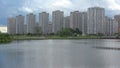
(57, 37)
(23, 37)
(72, 37)
(5, 38)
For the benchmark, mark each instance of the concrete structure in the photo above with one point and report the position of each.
(84, 23)
(115, 27)
(110, 26)
(20, 24)
(96, 18)
(11, 26)
(31, 20)
(25, 28)
(38, 29)
(75, 20)
(57, 20)
(117, 19)
(50, 26)
(66, 23)
(44, 20)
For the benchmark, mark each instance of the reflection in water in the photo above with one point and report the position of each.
(107, 48)
(59, 54)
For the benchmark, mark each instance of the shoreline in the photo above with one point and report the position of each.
(56, 38)
(59, 38)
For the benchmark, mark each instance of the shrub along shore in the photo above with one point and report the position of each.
(63, 34)
(5, 38)
(61, 37)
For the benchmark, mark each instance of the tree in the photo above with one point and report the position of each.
(65, 32)
(100, 34)
(4, 38)
(77, 31)
(38, 30)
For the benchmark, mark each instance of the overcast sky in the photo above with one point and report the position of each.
(9, 8)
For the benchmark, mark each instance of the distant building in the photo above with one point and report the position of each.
(44, 20)
(38, 29)
(11, 26)
(31, 20)
(115, 27)
(66, 23)
(91, 22)
(84, 23)
(117, 18)
(57, 20)
(96, 16)
(20, 24)
(75, 20)
(25, 28)
(110, 26)
(50, 26)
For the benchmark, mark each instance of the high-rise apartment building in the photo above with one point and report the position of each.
(50, 26)
(75, 20)
(84, 23)
(25, 28)
(11, 26)
(57, 20)
(110, 26)
(96, 18)
(117, 18)
(115, 27)
(66, 23)
(44, 20)
(31, 22)
(20, 24)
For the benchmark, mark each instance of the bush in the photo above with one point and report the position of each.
(65, 32)
(4, 38)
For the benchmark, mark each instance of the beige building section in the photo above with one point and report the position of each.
(31, 23)
(3, 29)
(96, 18)
(117, 18)
(20, 24)
(57, 20)
(44, 20)
(11, 27)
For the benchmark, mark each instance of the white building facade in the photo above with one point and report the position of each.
(96, 18)
(44, 20)
(11, 26)
(31, 22)
(66, 23)
(57, 20)
(20, 24)
(76, 20)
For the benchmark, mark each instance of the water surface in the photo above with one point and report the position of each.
(60, 54)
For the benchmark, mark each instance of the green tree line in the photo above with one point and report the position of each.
(4, 38)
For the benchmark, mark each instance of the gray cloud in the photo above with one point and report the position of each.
(15, 7)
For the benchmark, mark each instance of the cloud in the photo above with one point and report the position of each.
(26, 9)
(45, 5)
(113, 4)
(15, 7)
(62, 4)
